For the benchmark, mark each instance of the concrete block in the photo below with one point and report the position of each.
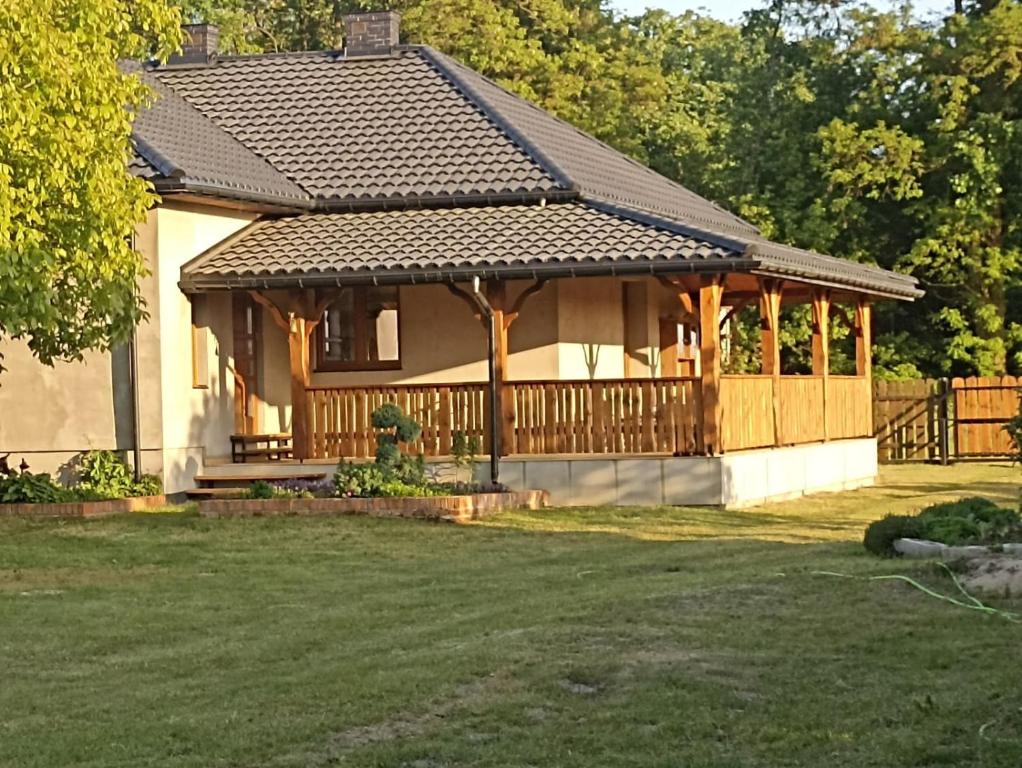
(551, 476)
(743, 477)
(919, 548)
(512, 474)
(692, 480)
(640, 482)
(593, 483)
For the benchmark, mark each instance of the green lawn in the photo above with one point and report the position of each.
(607, 637)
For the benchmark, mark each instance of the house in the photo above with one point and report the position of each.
(340, 229)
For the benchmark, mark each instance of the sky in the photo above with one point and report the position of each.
(732, 9)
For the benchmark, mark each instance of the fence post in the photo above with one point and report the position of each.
(943, 417)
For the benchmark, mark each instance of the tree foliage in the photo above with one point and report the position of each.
(873, 135)
(68, 272)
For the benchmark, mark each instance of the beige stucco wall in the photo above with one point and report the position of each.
(50, 415)
(196, 421)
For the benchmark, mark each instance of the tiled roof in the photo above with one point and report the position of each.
(411, 162)
(598, 171)
(326, 246)
(184, 148)
(358, 129)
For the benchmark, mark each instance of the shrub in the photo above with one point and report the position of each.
(28, 488)
(881, 535)
(104, 475)
(397, 428)
(972, 520)
(966, 521)
(260, 489)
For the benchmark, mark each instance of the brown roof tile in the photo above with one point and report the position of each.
(329, 246)
(357, 129)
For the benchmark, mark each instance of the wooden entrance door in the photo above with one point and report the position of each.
(247, 317)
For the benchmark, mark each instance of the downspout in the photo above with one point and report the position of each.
(495, 446)
(136, 428)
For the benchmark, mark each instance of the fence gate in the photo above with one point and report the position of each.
(944, 420)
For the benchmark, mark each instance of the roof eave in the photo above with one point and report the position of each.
(223, 191)
(200, 284)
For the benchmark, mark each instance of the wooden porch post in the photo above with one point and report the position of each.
(298, 320)
(668, 346)
(770, 342)
(496, 294)
(711, 292)
(503, 318)
(821, 347)
(298, 354)
(863, 338)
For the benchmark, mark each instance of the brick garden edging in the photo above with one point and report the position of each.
(84, 508)
(457, 509)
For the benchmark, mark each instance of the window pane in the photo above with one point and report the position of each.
(382, 323)
(339, 329)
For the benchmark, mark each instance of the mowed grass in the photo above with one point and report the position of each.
(584, 637)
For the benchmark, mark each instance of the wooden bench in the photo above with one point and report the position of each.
(272, 446)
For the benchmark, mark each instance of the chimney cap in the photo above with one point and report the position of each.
(371, 34)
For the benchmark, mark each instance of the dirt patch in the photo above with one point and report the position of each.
(405, 724)
(995, 575)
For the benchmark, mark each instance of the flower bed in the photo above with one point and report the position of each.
(84, 509)
(972, 523)
(457, 509)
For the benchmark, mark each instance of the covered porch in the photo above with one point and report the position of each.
(674, 399)
(547, 333)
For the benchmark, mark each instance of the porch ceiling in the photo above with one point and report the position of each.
(509, 241)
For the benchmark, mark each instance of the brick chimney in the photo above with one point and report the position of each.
(371, 34)
(199, 45)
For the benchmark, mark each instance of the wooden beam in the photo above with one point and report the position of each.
(668, 346)
(821, 332)
(466, 297)
(711, 292)
(771, 295)
(737, 307)
(519, 302)
(687, 297)
(863, 338)
(496, 294)
(278, 315)
(299, 319)
(821, 347)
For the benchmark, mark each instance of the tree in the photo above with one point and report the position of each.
(68, 272)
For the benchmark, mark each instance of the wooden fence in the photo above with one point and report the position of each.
(944, 419)
(608, 416)
(981, 408)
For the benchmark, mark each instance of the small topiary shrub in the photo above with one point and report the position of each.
(881, 535)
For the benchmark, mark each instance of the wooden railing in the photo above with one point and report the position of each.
(608, 416)
(805, 413)
(340, 417)
(849, 407)
(605, 416)
(747, 408)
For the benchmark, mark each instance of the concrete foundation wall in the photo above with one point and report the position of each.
(734, 480)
